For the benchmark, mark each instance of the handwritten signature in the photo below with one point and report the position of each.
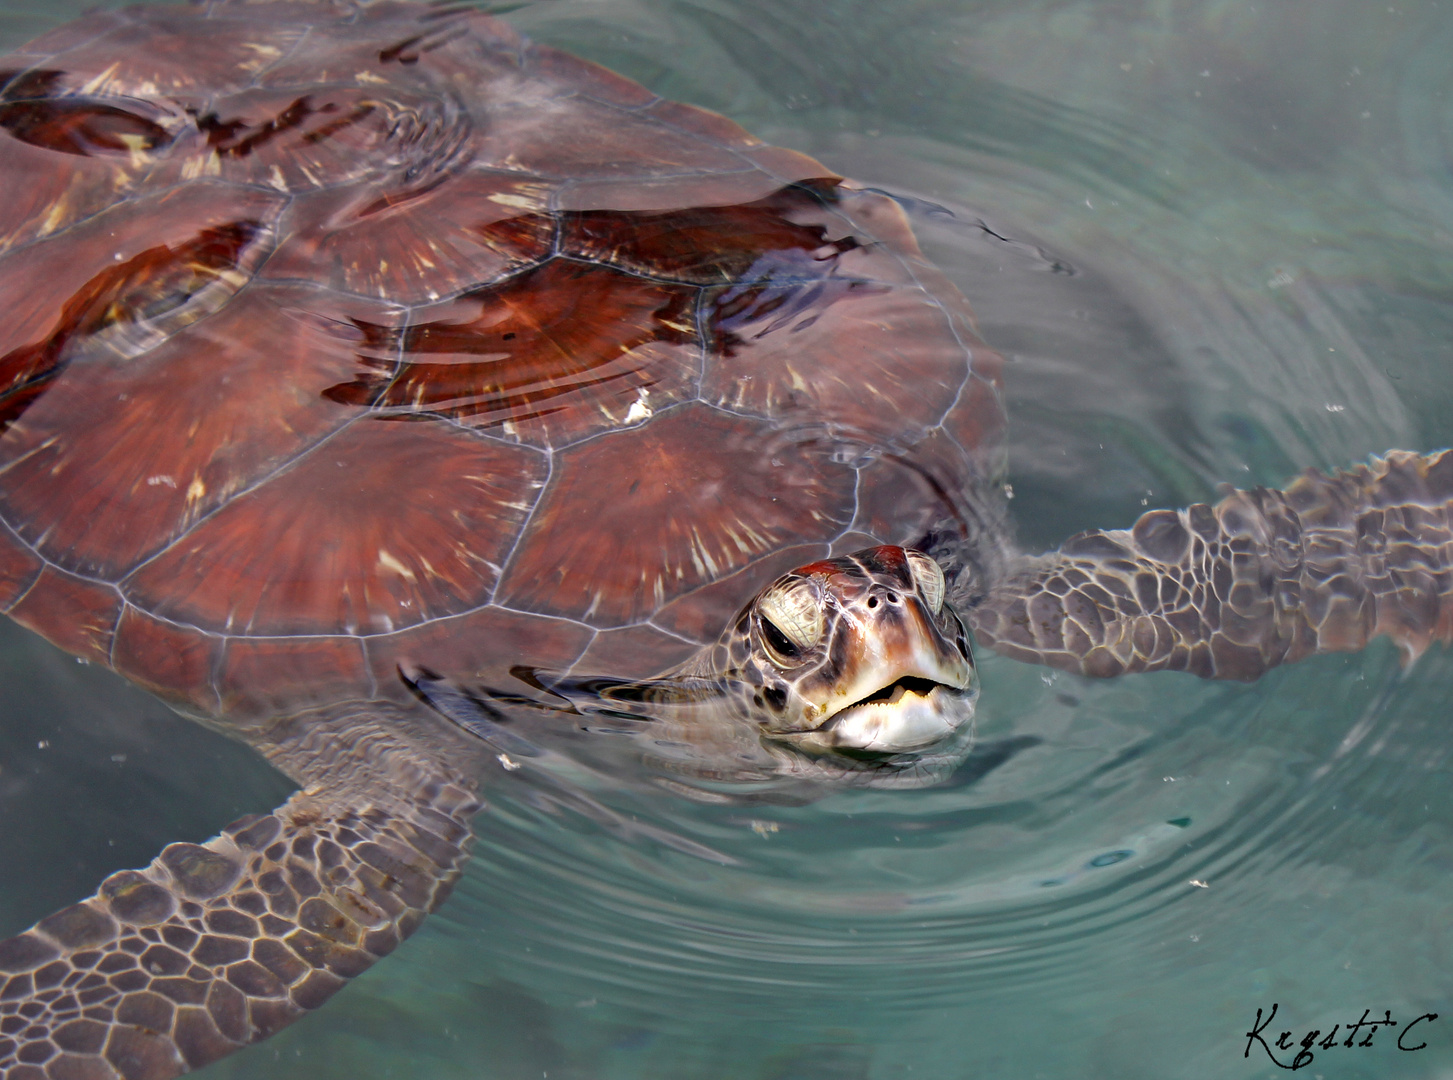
(1315, 1037)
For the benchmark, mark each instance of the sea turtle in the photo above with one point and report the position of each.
(373, 382)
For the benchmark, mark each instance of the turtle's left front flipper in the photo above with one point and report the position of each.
(217, 945)
(1260, 579)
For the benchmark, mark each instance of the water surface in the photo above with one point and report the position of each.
(1215, 241)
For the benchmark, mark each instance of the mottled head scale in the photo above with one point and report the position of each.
(856, 653)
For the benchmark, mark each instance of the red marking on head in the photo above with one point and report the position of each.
(822, 567)
(877, 559)
(883, 557)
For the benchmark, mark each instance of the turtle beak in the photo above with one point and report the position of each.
(909, 715)
(903, 687)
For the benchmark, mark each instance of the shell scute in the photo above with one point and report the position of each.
(176, 662)
(551, 356)
(702, 245)
(903, 497)
(79, 127)
(788, 166)
(382, 526)
(19, 567)
(71, 612)
(69, 157)
(122, 282)
(586, 78)
(155, 52)
(471, 643)
(242, 393)
(890, 379)
(299, 139)
(634, 652)
(418, 244)
(896, 359)
(701, 613)
(978, 420)
(670, 193)
(702, 495)
(702, 122)
(389, 44)
(578, 138)
(268, 675)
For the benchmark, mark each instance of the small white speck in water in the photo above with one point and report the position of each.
(508, 762)
(1198, 883)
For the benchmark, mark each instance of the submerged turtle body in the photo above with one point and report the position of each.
(343, 341)
(339, 344)
(421, 343)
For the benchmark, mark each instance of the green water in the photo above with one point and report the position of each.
(1256, 200)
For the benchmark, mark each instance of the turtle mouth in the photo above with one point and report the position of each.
(910, 713)
(910, 690)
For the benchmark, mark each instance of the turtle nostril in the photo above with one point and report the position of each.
(892, 598)
(872, 602)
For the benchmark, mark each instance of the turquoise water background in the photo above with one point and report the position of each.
(1255, 200)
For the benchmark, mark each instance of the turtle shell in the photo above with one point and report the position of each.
(338, 338)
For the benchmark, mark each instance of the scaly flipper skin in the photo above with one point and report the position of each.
(1260, 579)
(218, 945)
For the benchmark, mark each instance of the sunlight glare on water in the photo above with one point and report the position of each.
(1214, 239)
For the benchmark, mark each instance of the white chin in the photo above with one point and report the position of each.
(910, 722)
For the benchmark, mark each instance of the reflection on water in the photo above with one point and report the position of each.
(1228, 256)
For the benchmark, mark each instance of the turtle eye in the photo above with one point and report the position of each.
(790, 619)
(929, 576)
(778, 644)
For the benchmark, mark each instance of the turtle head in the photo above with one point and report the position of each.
(858, 653)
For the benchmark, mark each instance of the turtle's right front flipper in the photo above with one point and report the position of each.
(217, 945)
(1260, 579)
